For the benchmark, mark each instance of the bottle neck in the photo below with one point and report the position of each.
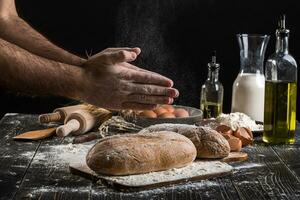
(252, 62)
(282, 44)
(213, 75)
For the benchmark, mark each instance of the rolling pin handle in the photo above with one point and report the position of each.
(50, 117)
(71, 126)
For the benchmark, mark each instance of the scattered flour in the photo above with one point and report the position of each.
(196, 169)
(247, 182)
(144, 194)
(15, 122)
(13, 173)
(38, 190)
(11, 114)
(62, 155)
(247, 166)
(58, 155)
(181, 188)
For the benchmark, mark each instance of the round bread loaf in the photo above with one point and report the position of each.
(140, 153)
(208, 142)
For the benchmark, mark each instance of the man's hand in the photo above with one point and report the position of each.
(107, 79)
(110, 81)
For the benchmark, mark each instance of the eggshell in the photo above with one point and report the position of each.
(148, 114)
(167, 115)
(235, 143)
(180, 112)
(243, 135)
(249, 132)
(160, 111)
(169, 108)
(224, 129)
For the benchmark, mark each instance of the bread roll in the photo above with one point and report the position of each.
(209, 143)
(141, 153)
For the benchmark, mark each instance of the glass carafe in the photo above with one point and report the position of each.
(249, 87)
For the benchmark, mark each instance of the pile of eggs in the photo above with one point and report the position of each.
(164, 111)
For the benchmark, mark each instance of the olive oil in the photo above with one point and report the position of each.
(212, 91)
(280, 112)
(280, 91)
(211, 109)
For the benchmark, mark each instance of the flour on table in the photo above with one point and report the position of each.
(197, 168)
(11, 114)
(150, 193)
(61, 155)
(145, 194)
(248, 166)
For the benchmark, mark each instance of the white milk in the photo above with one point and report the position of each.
(248, 93)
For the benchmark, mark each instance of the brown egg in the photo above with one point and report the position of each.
(148, 114)
(167, 115)
(160, 111)
(169, 108)
(235, 143)
(244, 136)
(249, 132)
(180, 112)
(224, 129)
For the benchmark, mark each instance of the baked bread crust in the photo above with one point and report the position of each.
(141, 153)
(208, 142)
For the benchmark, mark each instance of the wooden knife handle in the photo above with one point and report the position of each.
(71, 126)
(50, 117)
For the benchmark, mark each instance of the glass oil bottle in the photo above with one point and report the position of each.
(280, 92)
(211, 99)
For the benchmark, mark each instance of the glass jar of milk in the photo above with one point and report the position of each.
(249, 87)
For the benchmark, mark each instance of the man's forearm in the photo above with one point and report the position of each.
(17, 31)
(23, 71)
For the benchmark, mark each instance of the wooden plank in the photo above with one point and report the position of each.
(179, 192)
(54, 193)
(13, 163)
(206, 189)
(261, 176)
(290, 154)
(48, 177)
(17, 172)
(228, 191)
(268, 177)
(203, 170)
(265, 176)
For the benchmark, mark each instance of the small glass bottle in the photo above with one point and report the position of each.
(280, 92)
(211, 100)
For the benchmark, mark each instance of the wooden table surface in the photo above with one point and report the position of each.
(35, 170)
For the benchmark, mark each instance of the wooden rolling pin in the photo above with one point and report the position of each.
(60, 114)
(82, 121)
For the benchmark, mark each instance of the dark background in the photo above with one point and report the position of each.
(176, 37)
